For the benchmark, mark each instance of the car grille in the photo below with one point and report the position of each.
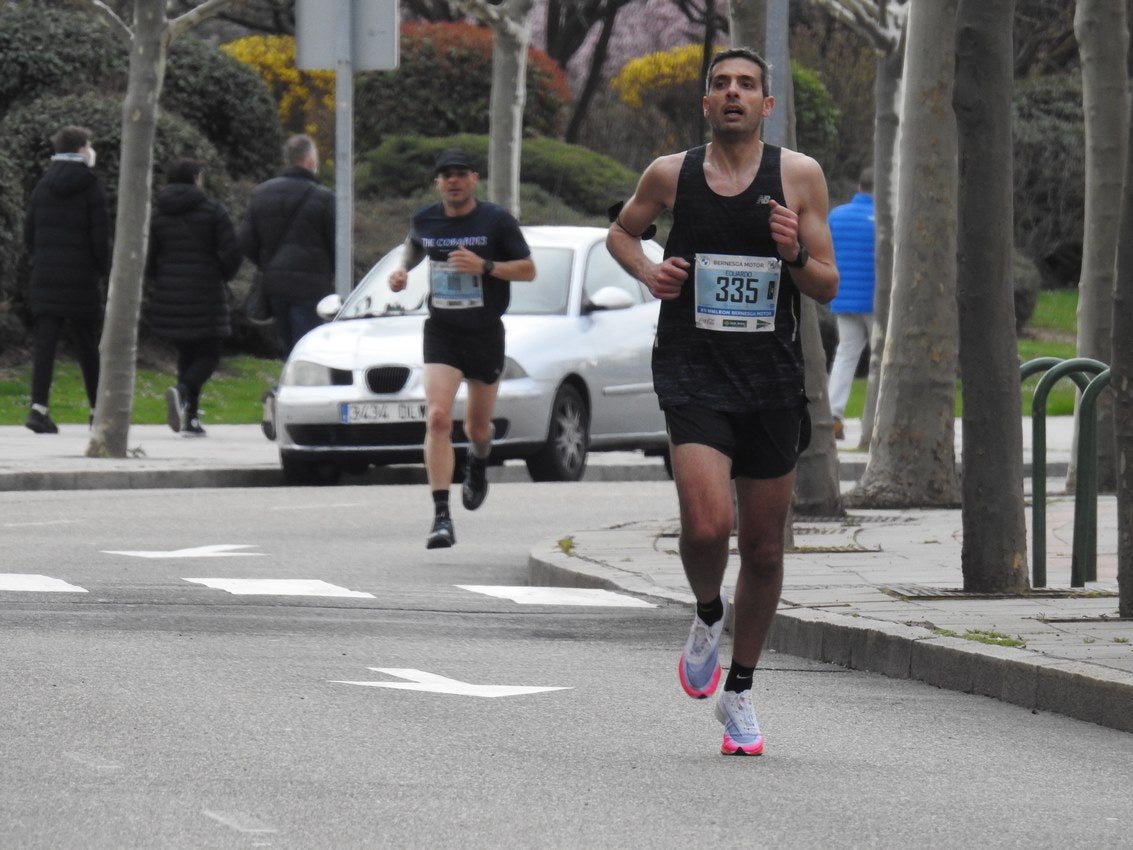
(386, 379)
(384, 434)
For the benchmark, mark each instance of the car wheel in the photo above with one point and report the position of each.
(563, 456)
(301, 471)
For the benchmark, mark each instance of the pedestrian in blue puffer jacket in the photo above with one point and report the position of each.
(852, 228)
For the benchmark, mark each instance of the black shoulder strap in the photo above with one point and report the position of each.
(287, 227)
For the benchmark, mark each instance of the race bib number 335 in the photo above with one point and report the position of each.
(736, 293)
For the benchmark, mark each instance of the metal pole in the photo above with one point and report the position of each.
(344, 152)
(777, 54)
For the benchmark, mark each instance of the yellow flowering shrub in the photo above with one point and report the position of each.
(305, 98)
(654, 76)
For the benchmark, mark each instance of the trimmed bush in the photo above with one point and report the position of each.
(1050, 176)
(228, 102)
(443, 86)
(54, 50)
(26, 132)
(583, 180)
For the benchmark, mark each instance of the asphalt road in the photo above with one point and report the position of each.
(159, 709)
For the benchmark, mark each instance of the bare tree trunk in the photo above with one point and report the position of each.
(1122, 382)
(994, 552)
(912, 457)
(511, 22)
(150, 37)
(119, 346)
(1103, 38)
(886, 126)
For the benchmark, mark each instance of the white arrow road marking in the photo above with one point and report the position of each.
(278, 587)
(218, 550)
(560, 596)
(37, 584)
(419, 680)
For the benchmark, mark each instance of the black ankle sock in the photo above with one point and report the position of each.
(440, 504)
(710, 612)
(739, 678)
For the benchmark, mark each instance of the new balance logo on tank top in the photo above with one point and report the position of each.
(745, 364)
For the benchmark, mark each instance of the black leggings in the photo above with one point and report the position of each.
(197, 359)
(84, 337)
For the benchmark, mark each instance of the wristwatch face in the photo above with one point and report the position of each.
(800, 259)
(488, 266)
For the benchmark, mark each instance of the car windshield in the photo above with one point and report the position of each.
(547, 295)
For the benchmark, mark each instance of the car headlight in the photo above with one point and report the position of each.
(512, 370)
(305, 373)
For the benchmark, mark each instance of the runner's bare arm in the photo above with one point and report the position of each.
(804, 222)
(656, 191)
(411, 255)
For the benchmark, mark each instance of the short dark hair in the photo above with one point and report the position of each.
(70, 139)
(297, 149)
(741, 53)
(184, 171)
(865, 179)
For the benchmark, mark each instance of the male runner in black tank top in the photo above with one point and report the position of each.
(749, 234)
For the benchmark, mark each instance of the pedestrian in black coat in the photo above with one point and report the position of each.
(288, 233)
(66, 233)
(193, 253)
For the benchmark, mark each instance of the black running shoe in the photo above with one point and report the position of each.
(475, 487)
(41, 423)
(193, 429)
(442, 536)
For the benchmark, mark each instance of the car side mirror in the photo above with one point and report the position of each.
(328, 306)
(609, 298)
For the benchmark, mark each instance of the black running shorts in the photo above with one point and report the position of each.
(762, 444)
(477, 353)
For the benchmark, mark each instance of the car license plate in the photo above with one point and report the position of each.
(389, 411)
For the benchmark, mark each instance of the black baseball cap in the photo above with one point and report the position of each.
(454, 158)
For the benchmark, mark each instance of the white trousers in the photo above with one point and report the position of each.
(853, 335)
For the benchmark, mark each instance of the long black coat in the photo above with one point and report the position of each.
(66, 232)
(193, 252)
(302, 269)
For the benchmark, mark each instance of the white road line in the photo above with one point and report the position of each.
(42, 522)
(419, 680)
(239, 821)
(36, 584)
(216, 550)
(580, 596)
(279, 587)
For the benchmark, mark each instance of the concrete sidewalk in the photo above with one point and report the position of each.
(877, 590)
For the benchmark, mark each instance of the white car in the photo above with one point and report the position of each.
(577, 376)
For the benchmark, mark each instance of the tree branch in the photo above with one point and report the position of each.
(113, 18)
(194, 16)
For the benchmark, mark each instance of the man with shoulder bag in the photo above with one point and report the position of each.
(288, 232)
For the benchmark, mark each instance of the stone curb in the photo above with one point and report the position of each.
(1074, 689)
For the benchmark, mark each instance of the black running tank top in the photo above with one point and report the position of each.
(727, 371)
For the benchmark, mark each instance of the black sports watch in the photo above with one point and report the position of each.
(800, 260)
(488, 266)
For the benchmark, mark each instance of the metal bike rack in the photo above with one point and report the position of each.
(1077, 370)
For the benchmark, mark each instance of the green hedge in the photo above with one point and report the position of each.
(583, 180)
(26, 132)
(442, 86)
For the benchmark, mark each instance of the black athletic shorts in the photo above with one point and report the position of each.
(762, 444)
(478, 353)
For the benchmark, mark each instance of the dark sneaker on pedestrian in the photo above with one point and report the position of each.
(475, 487)
(442, 536)
(193, 429)
(175, 410)
(41, 423)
